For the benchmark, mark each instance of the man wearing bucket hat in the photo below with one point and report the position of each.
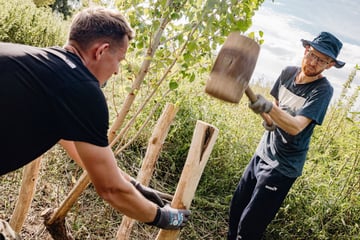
(302, 95)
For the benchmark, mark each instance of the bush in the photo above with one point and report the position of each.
(22, 22)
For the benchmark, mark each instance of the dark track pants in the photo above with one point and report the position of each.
(256, 200)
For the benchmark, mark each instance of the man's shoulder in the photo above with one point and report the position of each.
(14, 49)
(67, 57)
(290, 70)
(288, 74)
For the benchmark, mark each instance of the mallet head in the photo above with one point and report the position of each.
(233, 68)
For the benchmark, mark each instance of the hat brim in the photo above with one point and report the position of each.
(338, 63)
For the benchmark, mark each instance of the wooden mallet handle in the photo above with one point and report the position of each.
(252, 97)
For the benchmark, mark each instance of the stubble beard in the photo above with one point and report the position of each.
(310, 71)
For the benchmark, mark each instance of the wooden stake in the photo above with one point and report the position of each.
(54, 219)
(59, 229)
(74, 194)
(155, 144)
(26, 195)
(202, 143)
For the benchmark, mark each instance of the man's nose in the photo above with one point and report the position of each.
(314, 61)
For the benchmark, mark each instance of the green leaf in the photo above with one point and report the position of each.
(173, 85)
(251, 35)
(192, 77)
(261, 33)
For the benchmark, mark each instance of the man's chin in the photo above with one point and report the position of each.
(104, 84)
(310, 72)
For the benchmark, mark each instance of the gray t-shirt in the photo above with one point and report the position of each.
(285, 152)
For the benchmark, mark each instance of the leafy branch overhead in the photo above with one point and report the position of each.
(201, 26)
(177, 41)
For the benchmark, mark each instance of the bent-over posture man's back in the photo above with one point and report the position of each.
(53, 94)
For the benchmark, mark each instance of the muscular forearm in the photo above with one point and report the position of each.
(113, 184)
(130, 202)
(290, 124)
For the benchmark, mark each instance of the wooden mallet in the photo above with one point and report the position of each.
(232, 70)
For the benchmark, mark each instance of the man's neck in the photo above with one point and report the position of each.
(73, 49)
(301, 78)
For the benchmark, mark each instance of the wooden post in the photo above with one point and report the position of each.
(155, 144)
(26, 195)
(54, 219)
(74, 194)
(202, 143)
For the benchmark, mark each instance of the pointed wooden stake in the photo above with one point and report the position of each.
(202, 143)
(26, 195)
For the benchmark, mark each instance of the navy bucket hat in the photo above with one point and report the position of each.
(327, 44)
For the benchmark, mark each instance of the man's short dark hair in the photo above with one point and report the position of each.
(99, 23)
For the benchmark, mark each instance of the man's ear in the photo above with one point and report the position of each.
(101, 49)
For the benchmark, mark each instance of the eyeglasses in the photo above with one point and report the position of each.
(312, 56)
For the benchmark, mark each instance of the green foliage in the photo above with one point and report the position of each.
(64, 7)
(195, 31)
(22, 22)
(43, 3)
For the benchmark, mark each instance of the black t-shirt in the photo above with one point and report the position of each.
(46, 94)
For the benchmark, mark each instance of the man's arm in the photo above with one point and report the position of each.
(112, 184)
(147, 192)
(70, 148)
(290, 124)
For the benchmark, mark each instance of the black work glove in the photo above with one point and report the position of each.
(261, 105)
(269, 127)
(148, 193)
(170, 218)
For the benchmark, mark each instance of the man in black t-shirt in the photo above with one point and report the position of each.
(53, 94)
